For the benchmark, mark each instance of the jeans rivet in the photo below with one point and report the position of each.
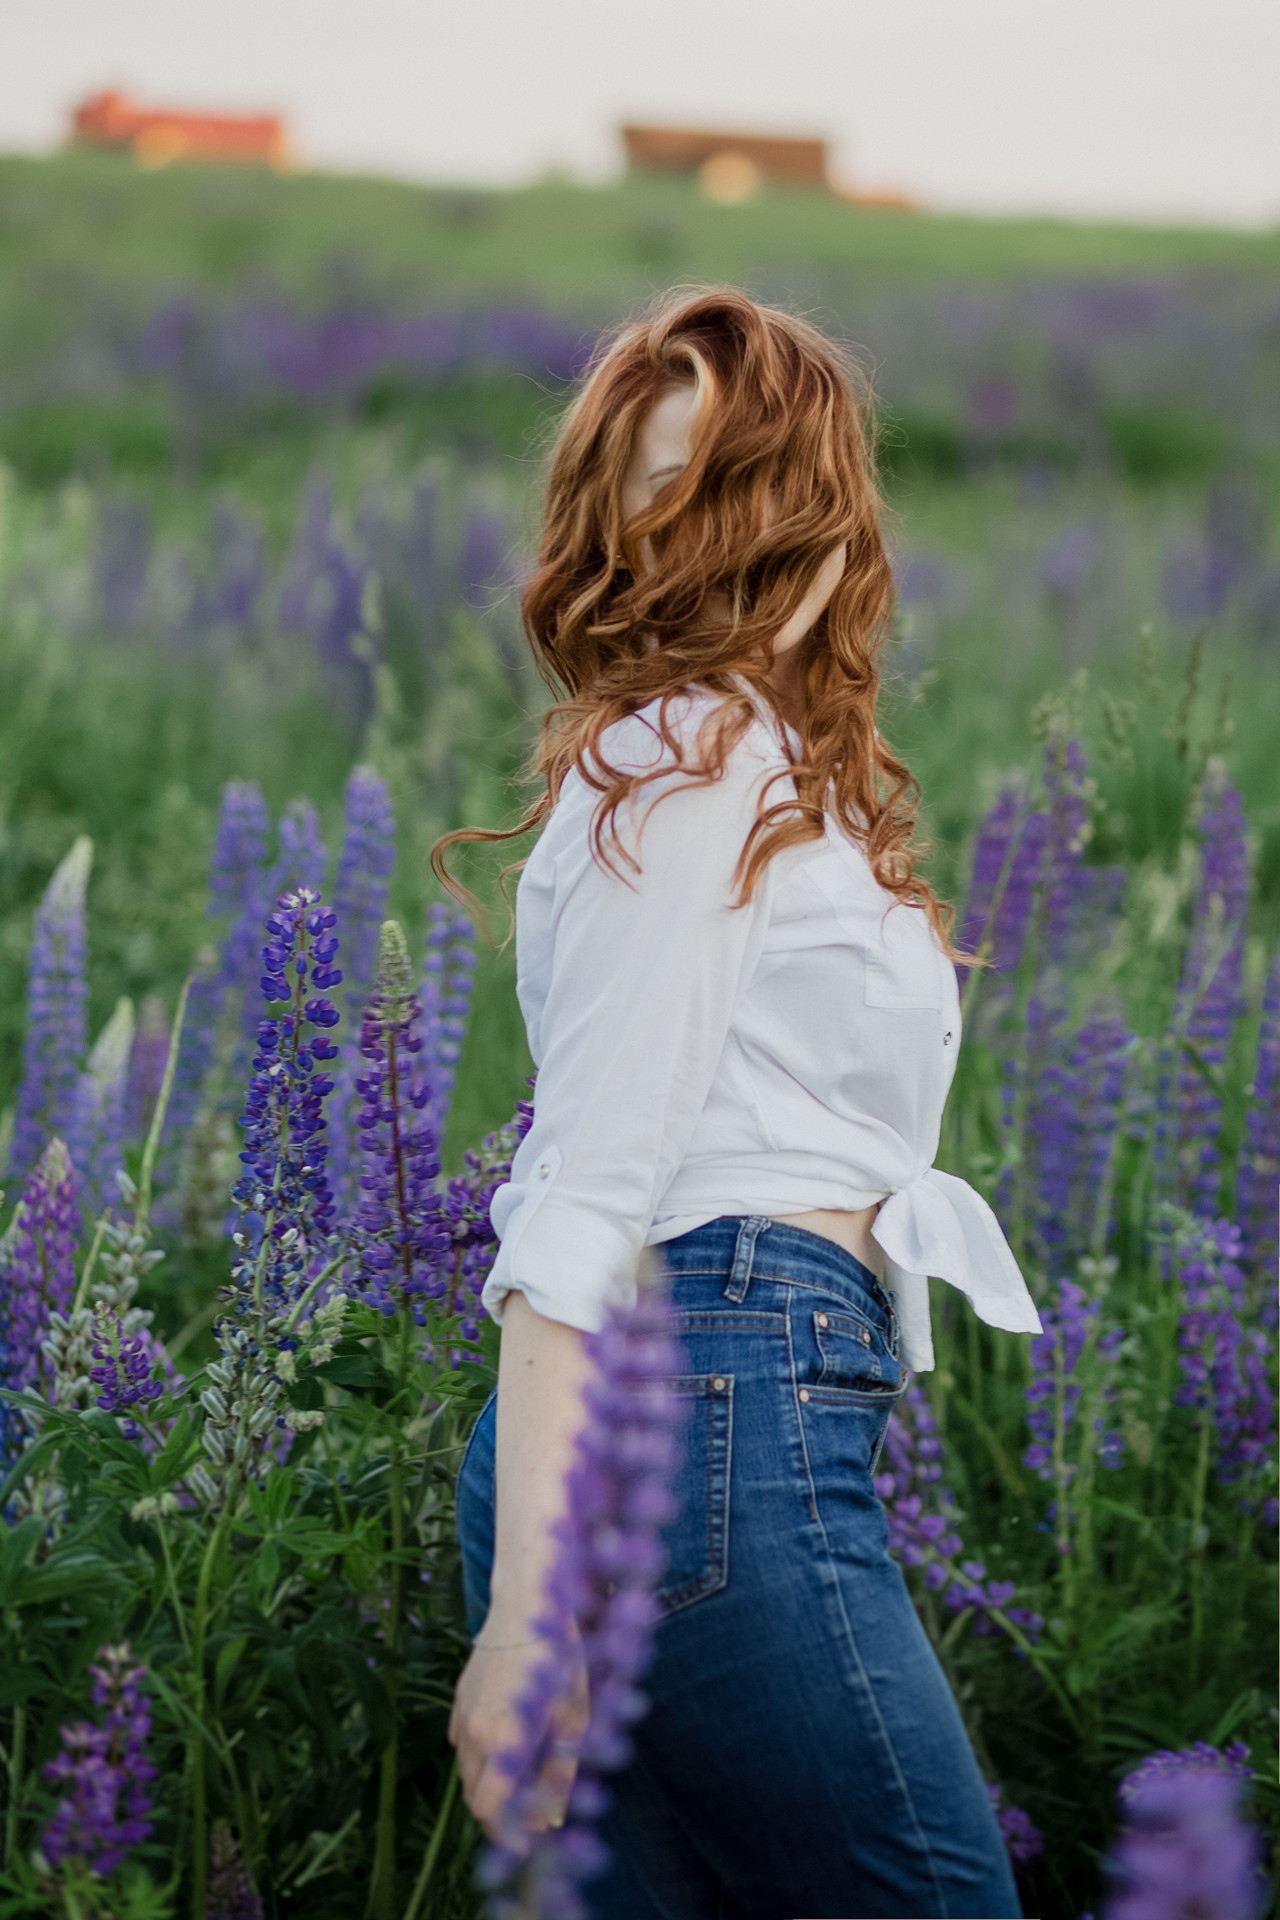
(717, 1385)
(866, 1338)
(823, 1321)
(804, 1393)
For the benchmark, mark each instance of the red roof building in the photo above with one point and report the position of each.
(158, 135)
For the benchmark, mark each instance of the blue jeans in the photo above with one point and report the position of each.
(803, 1757)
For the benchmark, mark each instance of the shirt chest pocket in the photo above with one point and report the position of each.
(903, 967)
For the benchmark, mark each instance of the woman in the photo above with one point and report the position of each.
(738, 993)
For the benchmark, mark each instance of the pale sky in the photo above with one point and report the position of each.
(1159, 109)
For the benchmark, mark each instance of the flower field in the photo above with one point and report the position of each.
(260, 535)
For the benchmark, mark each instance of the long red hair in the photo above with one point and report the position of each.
(780, 472)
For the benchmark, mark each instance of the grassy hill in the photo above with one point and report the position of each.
(586, 249)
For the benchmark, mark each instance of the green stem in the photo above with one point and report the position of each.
(434, 1844)
(382, 1885)
(17, 1763)
(91, 1260)
(179, 1615)
(142, 1211)
(1062, 1529)
(1197, 1545)
(199, 1812)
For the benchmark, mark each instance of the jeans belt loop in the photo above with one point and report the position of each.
(743, 1255)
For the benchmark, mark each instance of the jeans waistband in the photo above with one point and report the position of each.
(754, 1247)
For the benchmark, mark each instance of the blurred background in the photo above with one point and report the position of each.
(292, 295)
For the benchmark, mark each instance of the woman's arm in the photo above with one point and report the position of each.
(645, 976)
(542, 1369)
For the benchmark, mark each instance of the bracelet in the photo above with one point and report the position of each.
(508, 1646)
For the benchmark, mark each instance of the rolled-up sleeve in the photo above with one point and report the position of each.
(644, 974)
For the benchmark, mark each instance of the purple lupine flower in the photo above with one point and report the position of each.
(324, 598)
(601, 1610)
(1053, 1394)
(1186, 1850)
(399, 1233)
(148, 1058)
(1022, 1838)
(302, 858)
(104, 1772)
(1224, 1368)
(97, 1140)
(1258, 1181)
(1208, 1003)
(920, 1510)
(238, 875)
(1233, 1759)
(123, 1367)
(54, 1044)
(448, 977)
(282, 1191)
(467, 1205)
(231, 1892)
(365, 867)
(984, 923)
(37, 1265)
(1097, 1072)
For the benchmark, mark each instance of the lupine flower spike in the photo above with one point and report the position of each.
(365, 867)
(1186, 1849)
(400, 1236)
(37, 1275)
(1258, 1186)
(601, 1613)
(1209, 1001)
(97, 1141)
(1022, 1838)
(104, 1772)
(447, 982)
(53, 1049)
(231, 1893)
(920, 1510)
(282, 1193)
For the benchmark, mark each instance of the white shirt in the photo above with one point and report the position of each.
(697, 1058)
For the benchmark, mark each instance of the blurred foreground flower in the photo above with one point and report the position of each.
(1186, 1852)
(601, 1613)
(53, 1048)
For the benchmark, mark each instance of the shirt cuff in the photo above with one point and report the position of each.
(570, 1264)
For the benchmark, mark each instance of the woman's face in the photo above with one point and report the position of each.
(661, 452)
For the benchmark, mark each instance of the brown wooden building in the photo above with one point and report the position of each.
(798, 162)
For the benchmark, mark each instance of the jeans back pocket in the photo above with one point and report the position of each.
(696, 1539)
(856, 1357)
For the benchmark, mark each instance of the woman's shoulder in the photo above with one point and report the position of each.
(678, 731)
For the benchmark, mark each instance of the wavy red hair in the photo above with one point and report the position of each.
(780, 472)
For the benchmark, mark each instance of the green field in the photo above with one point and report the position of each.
(269, 467)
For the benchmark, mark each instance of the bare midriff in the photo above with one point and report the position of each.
(852, 1231)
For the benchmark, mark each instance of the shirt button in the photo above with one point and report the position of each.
(823, 1321)
(717, 1385)
(804, 1393)
(946, 1039)
(544, 1170)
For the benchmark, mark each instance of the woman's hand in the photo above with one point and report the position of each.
(543, 1367)
(484, 1725)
